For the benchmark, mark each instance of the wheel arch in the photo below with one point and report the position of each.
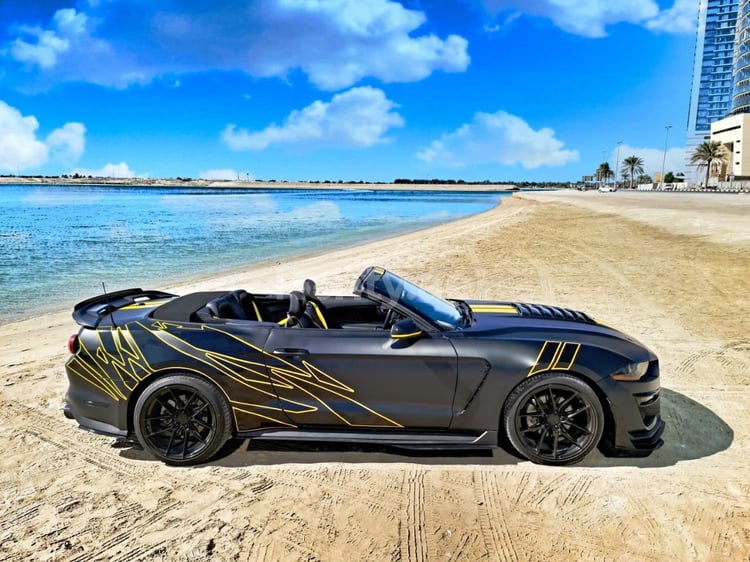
(591, 382)
(145, 382)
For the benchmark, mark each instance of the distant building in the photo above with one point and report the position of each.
(713, 66)
(741, 66)
(733, 131)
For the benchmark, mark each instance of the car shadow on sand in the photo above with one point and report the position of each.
(693, 431)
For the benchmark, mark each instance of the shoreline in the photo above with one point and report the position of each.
(255, 184)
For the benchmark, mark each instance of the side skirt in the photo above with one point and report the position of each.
(415, 440)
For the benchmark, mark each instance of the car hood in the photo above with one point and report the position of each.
(491, 317)
(527, 310)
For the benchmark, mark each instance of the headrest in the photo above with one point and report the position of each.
(309, 289)
(226, 307)
(243, 297)
(296, 304)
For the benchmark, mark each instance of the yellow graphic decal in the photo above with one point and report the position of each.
(406, 336)
(270, 377)
(103, 367)
(555, 356)
(146, 304)
(494, 308)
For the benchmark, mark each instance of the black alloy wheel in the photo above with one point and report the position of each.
(554, 419)
(182, 419)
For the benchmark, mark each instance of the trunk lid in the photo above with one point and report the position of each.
(89, 313)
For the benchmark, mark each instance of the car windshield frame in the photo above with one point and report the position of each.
(399, 291)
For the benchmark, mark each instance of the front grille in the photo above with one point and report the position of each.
(552, 312)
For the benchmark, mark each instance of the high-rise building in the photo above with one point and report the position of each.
(741, 73)
(711, 96)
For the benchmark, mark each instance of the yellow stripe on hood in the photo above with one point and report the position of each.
(494, 308)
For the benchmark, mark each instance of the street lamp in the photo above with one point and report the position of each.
(617, 161)
(664, 158)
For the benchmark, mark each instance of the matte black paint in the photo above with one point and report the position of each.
(355, 382)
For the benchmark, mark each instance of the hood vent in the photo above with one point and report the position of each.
(552, 312)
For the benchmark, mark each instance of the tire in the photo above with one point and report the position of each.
(182, 419)
(553, 418)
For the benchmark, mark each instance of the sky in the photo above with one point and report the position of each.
(352, 90)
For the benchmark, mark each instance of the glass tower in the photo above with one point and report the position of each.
(741, 76)
(711, 96)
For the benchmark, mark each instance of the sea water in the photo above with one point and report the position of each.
(59, 243)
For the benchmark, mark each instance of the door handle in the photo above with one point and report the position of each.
(290, 352)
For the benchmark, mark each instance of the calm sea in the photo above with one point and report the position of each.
(59, 243)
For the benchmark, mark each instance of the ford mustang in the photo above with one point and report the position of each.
(392, 365)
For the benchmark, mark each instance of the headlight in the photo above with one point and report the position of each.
(631, 372)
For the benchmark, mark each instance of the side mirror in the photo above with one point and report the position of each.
(405, 330)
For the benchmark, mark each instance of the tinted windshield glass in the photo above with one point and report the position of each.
(418, 300)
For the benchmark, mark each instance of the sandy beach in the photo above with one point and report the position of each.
(672, 269)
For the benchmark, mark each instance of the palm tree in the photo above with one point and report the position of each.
(604, 172)
(710, 152)
(634, 166)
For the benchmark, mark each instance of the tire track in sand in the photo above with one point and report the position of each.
(146, 520)
(413, 538)
(492, 518)
(66, 437)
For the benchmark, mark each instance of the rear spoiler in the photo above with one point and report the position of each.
(90, 312)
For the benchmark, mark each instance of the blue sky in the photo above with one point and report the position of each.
(373, 90)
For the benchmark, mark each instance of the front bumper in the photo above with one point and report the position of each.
(635, 425)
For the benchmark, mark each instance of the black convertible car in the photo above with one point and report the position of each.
(393, 365)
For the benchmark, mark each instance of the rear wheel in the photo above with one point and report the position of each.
(182, 419)
(553, 419)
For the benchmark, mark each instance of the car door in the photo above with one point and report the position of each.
(360, 377)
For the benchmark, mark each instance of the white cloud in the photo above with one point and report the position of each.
(68, 50)
(20, 149)
(359, 117)
(336, 43)
(120, 170)
(224, 174)
(590, 18)
(681, 17)
(68, 142)
(44, 52)
(498, 138)
(50, 43)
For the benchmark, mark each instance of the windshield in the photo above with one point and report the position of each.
(415, 298)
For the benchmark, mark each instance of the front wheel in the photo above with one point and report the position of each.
(182, 419)
(553, 419)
